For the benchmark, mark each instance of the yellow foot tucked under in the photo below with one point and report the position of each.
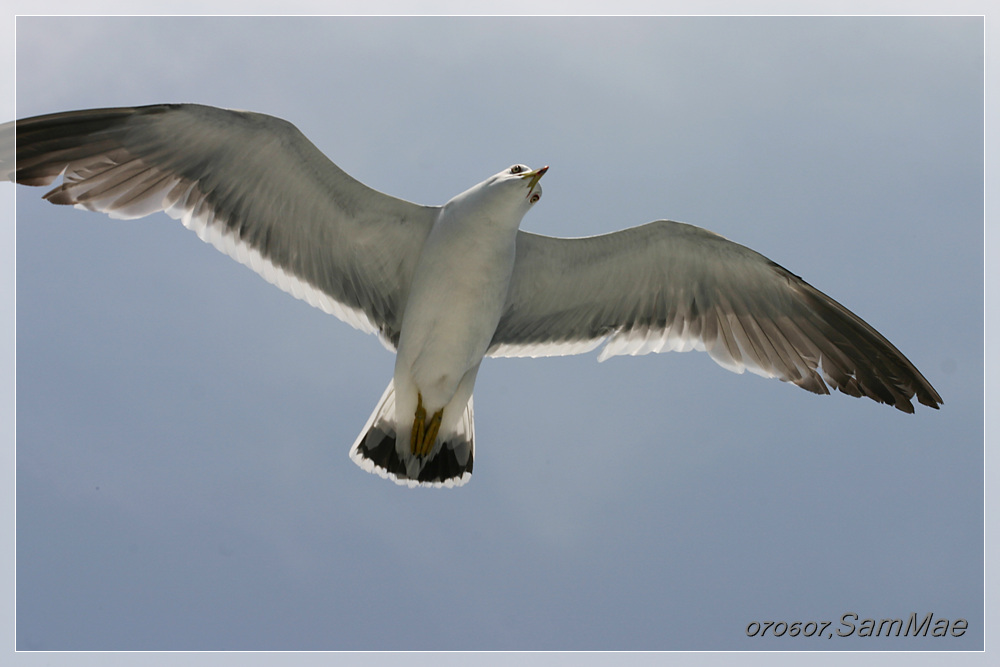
(424, 433)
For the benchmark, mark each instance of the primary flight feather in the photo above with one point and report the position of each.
(445, 286)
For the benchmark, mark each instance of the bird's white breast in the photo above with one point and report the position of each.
(458, 292)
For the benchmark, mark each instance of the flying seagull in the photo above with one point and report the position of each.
(446, 286)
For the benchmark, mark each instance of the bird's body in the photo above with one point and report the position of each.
(447, 285)
(456, 297)
(457, 294)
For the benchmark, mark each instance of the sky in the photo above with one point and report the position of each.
(182, 479)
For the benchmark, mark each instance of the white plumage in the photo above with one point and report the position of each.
(445, 286)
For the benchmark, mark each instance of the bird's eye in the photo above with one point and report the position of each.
(535, 197)
(516, 169)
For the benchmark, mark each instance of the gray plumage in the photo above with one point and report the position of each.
(256, 188)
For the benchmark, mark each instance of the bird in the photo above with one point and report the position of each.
(446, 286)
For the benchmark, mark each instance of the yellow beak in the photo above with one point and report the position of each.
(535, 176)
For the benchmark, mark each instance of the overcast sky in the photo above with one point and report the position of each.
(183, 426)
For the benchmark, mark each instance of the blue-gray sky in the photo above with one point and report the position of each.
(183, 426)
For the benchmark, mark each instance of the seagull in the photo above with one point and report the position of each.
(446, 286)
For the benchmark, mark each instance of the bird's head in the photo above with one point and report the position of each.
(504, 196)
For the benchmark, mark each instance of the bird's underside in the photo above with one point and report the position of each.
(257, 189)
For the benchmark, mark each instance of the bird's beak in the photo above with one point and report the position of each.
(535, 176)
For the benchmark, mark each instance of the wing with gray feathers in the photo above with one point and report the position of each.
(670, 286)
(250, 184)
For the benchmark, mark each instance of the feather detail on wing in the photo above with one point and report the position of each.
(667, 286)
(251, 185)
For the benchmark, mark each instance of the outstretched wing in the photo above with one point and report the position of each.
(670, 286)
(251, 185)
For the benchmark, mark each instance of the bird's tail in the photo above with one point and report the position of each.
(448, 462)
